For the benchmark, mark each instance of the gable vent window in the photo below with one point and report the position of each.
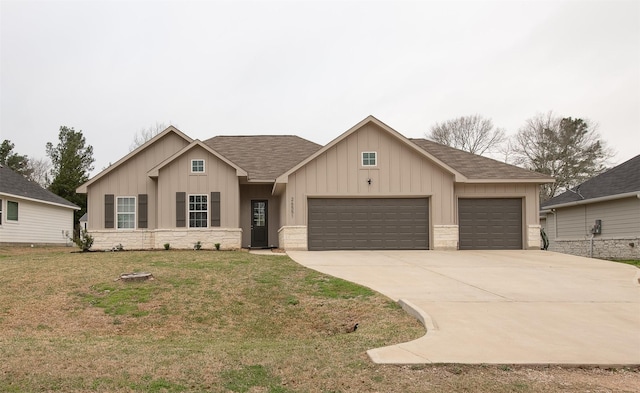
(12, 211)
(369, 158)
(126, 212)
(197, 166)
(197, 211)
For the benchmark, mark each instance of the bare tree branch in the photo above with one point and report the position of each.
(146, 134)
(474, 134)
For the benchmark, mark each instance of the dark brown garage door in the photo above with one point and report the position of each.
(490, 224)
(368, 224)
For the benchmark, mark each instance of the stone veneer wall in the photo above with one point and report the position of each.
(445, 237)
(293, 238)
(229, 238)
(534, 241)
(602, 248)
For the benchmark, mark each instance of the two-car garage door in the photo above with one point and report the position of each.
(368, 223)
(403, 223)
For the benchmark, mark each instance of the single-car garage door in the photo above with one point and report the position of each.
(368, 224)
(490, 224)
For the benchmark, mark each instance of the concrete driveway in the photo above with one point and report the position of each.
(500, 307)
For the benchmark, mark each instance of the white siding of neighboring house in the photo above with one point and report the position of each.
(38, 223)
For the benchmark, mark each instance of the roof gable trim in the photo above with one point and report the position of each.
(371, 119)
(155, 171)
(83, 188)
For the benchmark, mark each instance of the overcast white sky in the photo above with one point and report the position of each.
(313, 69)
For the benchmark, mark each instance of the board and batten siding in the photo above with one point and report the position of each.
(131, 179)
(620, 219)
(527, 191)
(37, 223)
(338, 172)
(218, 177)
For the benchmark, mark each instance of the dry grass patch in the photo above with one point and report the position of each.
(220, 322)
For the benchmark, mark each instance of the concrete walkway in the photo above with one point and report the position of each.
(501, 307)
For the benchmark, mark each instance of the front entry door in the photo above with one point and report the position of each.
(259, 224)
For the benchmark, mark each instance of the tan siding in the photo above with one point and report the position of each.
(620, 219)
(400, 171)
(130, 179)
(218, 176)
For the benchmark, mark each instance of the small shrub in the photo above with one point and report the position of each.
(84, 241)
(167, 246)
(197, 246)
(217, 246)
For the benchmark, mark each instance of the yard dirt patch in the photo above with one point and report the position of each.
(223, 322)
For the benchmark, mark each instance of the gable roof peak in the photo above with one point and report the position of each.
(171, 129)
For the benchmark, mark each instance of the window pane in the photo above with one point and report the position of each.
(12, 211)
(126, 212)
(198, 211)
(197, 166)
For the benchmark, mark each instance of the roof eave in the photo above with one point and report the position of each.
(74, 207)
(594, 200)
(516, 180)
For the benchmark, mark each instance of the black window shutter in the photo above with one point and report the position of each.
(181, 208)
(108, 211)
(215, 209)
(142, 211)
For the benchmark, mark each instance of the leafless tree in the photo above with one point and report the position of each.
(570, 150)
(146, 134)
(474, 134)
(39, 173)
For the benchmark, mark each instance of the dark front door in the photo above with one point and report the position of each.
(259, 224)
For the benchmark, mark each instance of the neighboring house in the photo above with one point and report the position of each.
(600, 217)
(29, 214)
(370, 188)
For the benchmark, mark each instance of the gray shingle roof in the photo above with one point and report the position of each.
(622, 179)
(15, 184)
(474, 166)
(264, 157)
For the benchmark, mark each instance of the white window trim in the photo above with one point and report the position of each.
(362, 159)
(204, 167)
(1, 210)
(135, 213)
(189, 211)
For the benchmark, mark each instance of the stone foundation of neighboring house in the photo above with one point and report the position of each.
(293, 238)
(229, 238)
(602, 248)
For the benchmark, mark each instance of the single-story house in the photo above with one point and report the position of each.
(29, 214)
(369, 188)
(599, 218)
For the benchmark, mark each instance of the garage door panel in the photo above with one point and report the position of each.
(490, 223)
(367, 224)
